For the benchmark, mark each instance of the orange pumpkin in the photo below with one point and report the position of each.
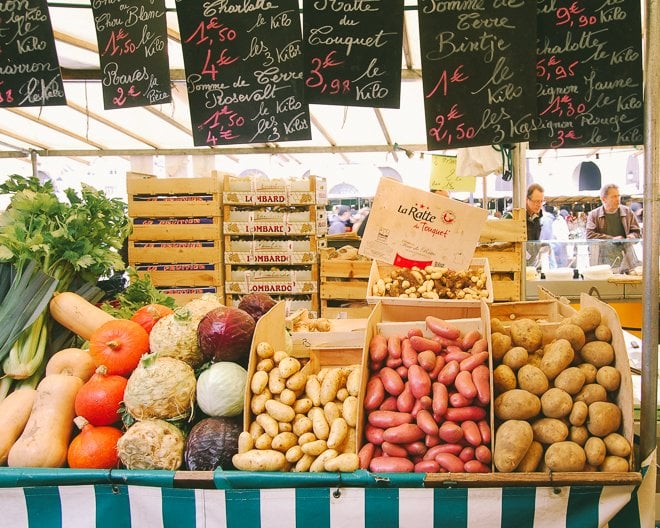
(148, 315)
(119, 344)
(95, 447)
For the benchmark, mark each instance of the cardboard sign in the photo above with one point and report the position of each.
(443, 176)
(409, 227)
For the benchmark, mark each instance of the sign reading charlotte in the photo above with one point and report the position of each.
(353, 52)
(477, 71)
(132, 40)
(29, 69)
(589, 74)
(244, 71)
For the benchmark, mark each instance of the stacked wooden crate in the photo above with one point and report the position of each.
(343, 288)
(273, 230)
(177, 233)
(502, 242)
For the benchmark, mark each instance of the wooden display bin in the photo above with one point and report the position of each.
(256, 190)
(343, 287)
(548, 310)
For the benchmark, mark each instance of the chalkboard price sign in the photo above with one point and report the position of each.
(589, 74)
(132, 40)
(29, 69)
(353, 52)
(244, 71)
(478, 71)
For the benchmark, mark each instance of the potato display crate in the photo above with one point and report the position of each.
(243, 222)
(140, 251)
(623, 398)
(271, 328)
(343, 279)
(547, 310)
(182, 274)
(379, 269)
(255, 190)
(502, 242)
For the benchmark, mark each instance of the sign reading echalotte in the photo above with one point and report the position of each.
(589, 74)
(478, 71)
(353, 52)
(244, 71)
(132, 40)
(29, 69)
(410, 226)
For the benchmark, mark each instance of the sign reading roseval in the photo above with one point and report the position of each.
(409, 227)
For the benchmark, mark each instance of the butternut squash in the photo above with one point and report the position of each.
(77, 314)
(14, 413)
(45, 439)
(72, 362)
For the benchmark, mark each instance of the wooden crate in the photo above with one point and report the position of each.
(260, 191)
(176, 229)
(183, 295)
(345, 309)
(291, 302)
(140, 251)
(151, 197)
(176, 275)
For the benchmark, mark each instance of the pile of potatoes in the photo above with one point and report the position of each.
(554, 404)
(302, 422)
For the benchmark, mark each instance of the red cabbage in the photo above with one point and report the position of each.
(225, 334)
(257, 304)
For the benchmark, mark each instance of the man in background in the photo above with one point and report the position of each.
(533, 206)
(613, 222)
(340, 222)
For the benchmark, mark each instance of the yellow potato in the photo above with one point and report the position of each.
(319, 464)
(604, 418)
(592, 392)
(338, 433)
(284, 441)
(614, 464)
(598, 353)
(588, 318)
(557, 357)
(512, 440)
(517, 404)
(617, 445)
(572, 333)
(609, 378)
(570, 380)
(280, 411)
(578, 434)
(288, 366)
(549, 430)
(565, 456)
(345, 462)
(515, 358)
(315, 447)
(504, 379)
(331, 383)
(532, 458)
(595, 450)
(589, 372)
(259, 460)
(353, 381)
(526, 333)
(603, 333)
(579, 413)
(532, 379)
(500, 345)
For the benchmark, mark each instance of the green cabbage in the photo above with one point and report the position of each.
(221, 389)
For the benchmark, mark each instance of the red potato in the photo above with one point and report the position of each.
(417, 448)
(426, 402)
(482, 454)
(450, 462)
(394, 450)
(448, 374)
(392, 382)
(415, 332)
(465, 413)
(375, 366)
(476, 466)
(417, 406)
(454, 449)
(484, 431)
(387, 464)
(424, 343)
(403, 434)
(373, 434)
(420, 382)
(431, 440)
(402, 371)
(464, 384)
(378, 348)
(466, 454)
(389, 404)
(469, 339)
(427, 360)
(394, 347)
(365, 454)
(442, 328)
(450, 432)
(474, 361)
(481, 345)
(439, 365)
(471, 433)
(374, 394)
(440, 398)
(444, 342)
(456, 399)
(392, 363)
(427, 466)
(481, 380)
(405, 401)
(385, 419)
(426, 423)
(455, 354)
(408, 353)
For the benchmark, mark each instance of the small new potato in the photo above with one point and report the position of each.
(515, 358)
(579, 413)
(532, 379)
(595, 450)
(517, 404)
(578, 434)
(565, 456)
(280, 411)
(589, 372)
(345, 462)
(526, 333)
(603, 333)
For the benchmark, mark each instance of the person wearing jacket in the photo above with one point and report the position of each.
(614, 222)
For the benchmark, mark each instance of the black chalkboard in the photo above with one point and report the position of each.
(353, 52)
(244, 71)
(589, 74)
(29, 69)
(132, 40)
(478, 71)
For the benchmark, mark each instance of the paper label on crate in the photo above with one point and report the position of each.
(193, 244)
(173, 221)
(409, 225)
(175, 267)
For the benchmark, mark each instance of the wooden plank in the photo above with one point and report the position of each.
(348, 310)
(505, 230)
(174, 252)
(358, 269)
(344, 289)
(177, 278)
(543, 310)
(192, 231)
(194, 479)
(506, 290)
(505, 260)
(138, 183)
(540, 479)
(179, 206)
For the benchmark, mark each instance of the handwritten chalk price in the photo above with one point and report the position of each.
(553, 68)
(123, 95)
(444, 79)
(564, 105)
(221, 124)
(451, 127)
(119, 43)
(572, 16)
(6, 95)
(215, 29)
(318, 79)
